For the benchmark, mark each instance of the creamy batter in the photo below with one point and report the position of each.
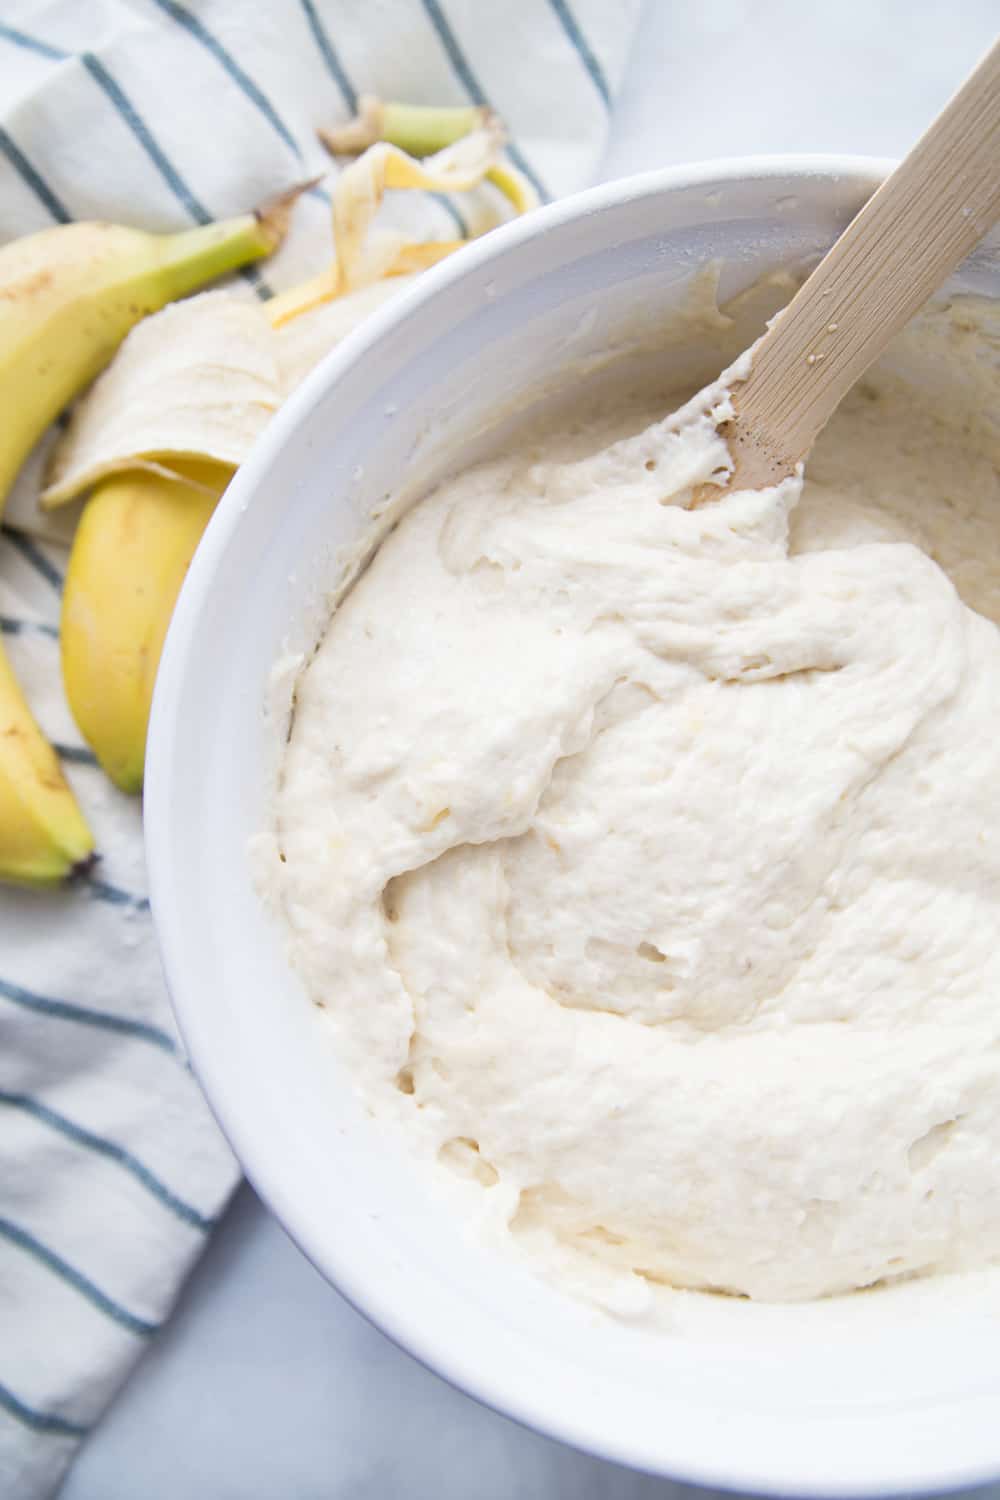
(646, 859)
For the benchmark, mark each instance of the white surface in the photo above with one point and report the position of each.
(266, 1383)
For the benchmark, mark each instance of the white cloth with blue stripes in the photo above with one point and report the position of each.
(162, 114)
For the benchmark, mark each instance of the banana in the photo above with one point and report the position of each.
(43, 836)
(69, 295)
(136, 537)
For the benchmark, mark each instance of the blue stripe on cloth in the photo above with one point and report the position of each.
(76, 1279)
(253, 92)
(473, 88)
(453, 213)
(143, 135)
(146, 139)
(572, 29)
(39, 1421)
(64, 1010)
(110, 1149)
(11, 626)
(334, 66)
(161, 161)
(31, 43)
(35, 556)
(75, 755)
(256, 280)
(33, 179)
(103, 890)
(141, 131)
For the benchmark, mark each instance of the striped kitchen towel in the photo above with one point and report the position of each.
(164, 114)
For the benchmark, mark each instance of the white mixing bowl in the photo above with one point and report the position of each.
(913, 1406)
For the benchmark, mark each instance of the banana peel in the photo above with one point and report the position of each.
(421, 130)
(365, 255)
(362, 185)
(198, 380)
(133, 546)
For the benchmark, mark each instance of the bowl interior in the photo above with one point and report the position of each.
(831, 1402)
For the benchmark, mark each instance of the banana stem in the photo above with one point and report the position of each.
(417, 129)
(420, 130)
(198, 255)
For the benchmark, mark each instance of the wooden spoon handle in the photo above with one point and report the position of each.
(919, 225)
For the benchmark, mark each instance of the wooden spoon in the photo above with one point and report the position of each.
(919, 225)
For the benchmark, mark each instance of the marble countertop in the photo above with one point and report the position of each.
(265, 1383)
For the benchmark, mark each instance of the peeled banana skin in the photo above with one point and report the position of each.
(136, 537)
(43, 836)
(69, 295)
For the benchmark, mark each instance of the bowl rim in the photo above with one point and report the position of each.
(385, 1307)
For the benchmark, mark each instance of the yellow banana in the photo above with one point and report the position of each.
(69, 295)
(136, 537)
(43, 836)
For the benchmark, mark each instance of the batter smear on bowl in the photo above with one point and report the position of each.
(646, 858)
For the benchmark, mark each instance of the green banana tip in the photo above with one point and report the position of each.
(418, 129)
